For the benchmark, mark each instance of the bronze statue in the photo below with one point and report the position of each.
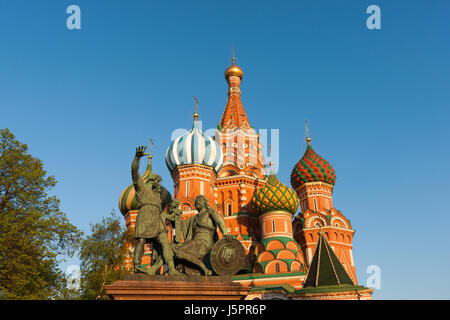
(174, 213)
(200, 234)
(150, 221)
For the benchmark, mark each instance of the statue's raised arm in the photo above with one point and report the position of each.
(140, 152)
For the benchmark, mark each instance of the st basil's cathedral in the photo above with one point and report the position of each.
(297, 244)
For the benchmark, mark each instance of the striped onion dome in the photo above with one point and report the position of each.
(194, 147)
(127, 200)
(312, 168)
(275, 196)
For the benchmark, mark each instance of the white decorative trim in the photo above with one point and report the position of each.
(310, 219)
(340, 219)
(309, 255)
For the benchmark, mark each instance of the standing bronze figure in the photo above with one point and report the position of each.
(150, 221)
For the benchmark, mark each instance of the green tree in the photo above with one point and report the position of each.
(102, 255)
(34, 232)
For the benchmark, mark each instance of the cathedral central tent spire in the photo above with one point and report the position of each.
(234, 116)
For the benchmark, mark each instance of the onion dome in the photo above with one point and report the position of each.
(127, 200)
(234, 70)
(275, 196)
(194, 147)
(312, 168)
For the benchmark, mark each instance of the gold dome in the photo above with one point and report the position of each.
(234, 70)
(275, 196)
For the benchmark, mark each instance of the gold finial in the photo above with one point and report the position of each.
(195, 113)
(270, 160)
(233, 70)
(308, 138)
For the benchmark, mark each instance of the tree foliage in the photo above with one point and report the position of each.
(102, 255)
(34, 232)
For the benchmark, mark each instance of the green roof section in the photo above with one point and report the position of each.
(287, 288)
(326, 269)
(246, 237)
(344, 287)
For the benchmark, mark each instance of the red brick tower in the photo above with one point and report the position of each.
(313, 180)
(243, 168)
(278, 255)
(193, 161)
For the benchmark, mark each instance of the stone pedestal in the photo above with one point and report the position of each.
(164, 287)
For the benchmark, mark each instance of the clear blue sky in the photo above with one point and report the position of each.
(377, 104)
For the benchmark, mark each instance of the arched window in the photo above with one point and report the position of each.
(229, 209)
(273, 226)
(277, 267)
(315, 204)
(187, 188)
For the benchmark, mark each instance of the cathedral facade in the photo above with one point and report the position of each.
(297, 245)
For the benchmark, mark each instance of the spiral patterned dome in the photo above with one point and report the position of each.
(312, 168)
(275, 196)
(194, 147)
